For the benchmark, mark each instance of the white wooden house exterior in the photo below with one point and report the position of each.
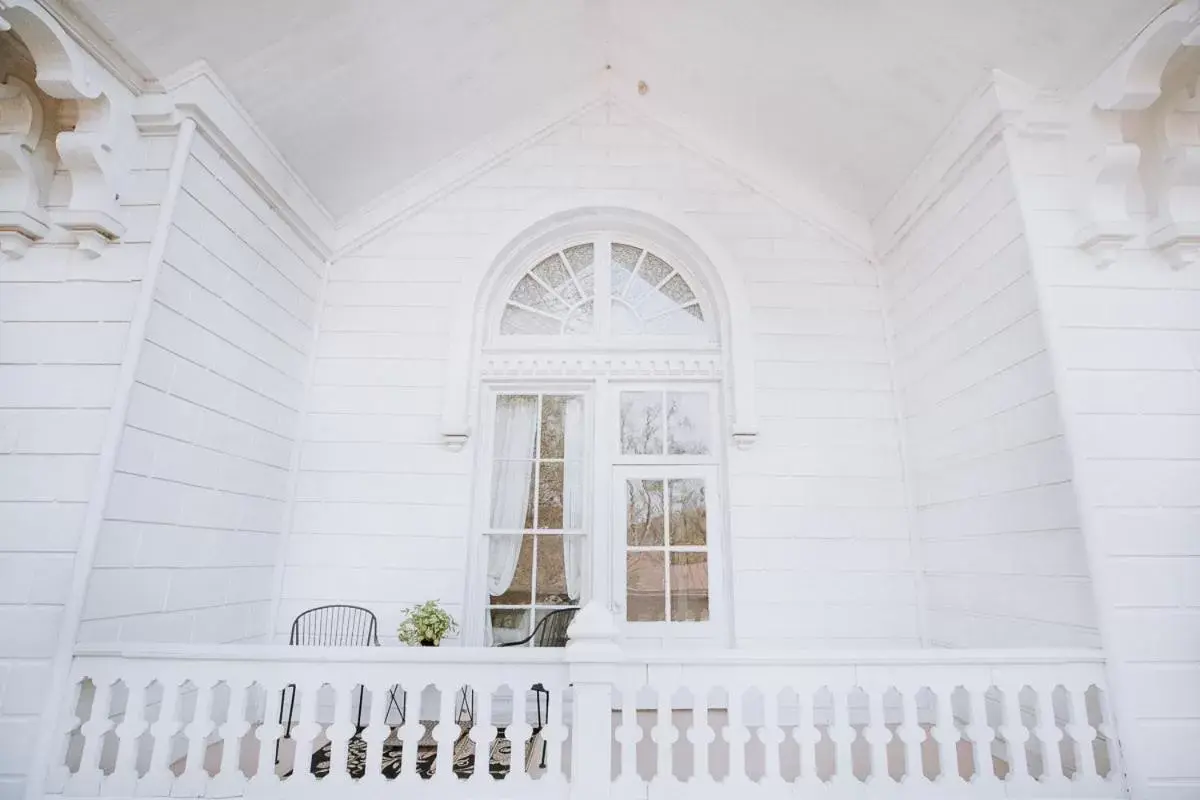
(840, 362)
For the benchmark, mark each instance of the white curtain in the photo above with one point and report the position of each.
(573, 544)
(516, 429)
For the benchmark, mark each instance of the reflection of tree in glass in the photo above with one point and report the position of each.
(686, 423)
(644, 510)
(641, 423)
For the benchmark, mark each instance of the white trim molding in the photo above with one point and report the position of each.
(511, 251)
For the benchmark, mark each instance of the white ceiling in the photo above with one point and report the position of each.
(845, 96)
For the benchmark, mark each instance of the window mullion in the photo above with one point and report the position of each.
(603, 284)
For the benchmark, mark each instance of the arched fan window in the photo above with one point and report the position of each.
(646, 295)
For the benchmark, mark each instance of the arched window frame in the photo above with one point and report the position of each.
(552, 222)
(602, 337)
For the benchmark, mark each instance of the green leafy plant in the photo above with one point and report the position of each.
(426, 624)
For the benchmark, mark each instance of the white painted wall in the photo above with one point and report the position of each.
(820, 550)
(993, 497)
(196, 508)
(64, 327)
(1126, 340)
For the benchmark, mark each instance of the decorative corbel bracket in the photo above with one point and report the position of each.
(87, 156)
(1175, 232)
(24, 168)
(1110, 179)
(87, 144)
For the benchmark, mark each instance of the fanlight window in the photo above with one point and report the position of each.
(645, 295)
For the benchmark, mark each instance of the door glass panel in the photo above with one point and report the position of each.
(558, 580)
(689, 517)
(552, 434)
(687, 423)
(645, 581)
(644, 513)
(689, 587)
(550, 495)
(510, 569)
(508, 624)
(641, 423)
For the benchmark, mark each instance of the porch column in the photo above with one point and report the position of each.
(593, 656)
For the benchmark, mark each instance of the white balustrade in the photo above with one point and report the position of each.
(162, 722)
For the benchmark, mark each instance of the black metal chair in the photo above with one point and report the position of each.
(335, 626)
(551, 631)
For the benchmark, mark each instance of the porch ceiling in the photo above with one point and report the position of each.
(846, 96)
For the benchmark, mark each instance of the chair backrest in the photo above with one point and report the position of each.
(336, 626)
(551, 631)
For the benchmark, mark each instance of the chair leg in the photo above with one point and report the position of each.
(545, 744)
(362, 690)
(287, 731)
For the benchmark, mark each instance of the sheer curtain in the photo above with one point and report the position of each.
(573, 544)
(516, 445)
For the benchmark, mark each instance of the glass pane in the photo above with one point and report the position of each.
(558, 569)
(512, 495)
(580, 320)
(688, 425)
(552, 271)
(508, 624)
(551, 430)
(519, 321)
(689, 516)
(550, 495)
(510, 569)
(641, 423)
(678, 290)
(645, 593)
(680, 322)
(625, 319)
(652, 272)
(624, 260)
(581, 257)
(644, 513)
(689, 587)
(532, 294)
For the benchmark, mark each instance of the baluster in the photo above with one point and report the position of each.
(1050, 735)
(266, 776)
(306, 732)
(913, 735)
(158, 780)
(1108, 731)
(701, 735)
(555, 734)
(663, 735)
(483, 733)
(59, 772)
(771, 736)
(520, 733)
(124, 777)
(1015, 736)
(945, 733)
(807, 735)
(374, 734)
(982, 736)
(1083, 735)
(842, 735)
(229, 780)
(736, 734)
(445, 733)
(878, 735)
(339, 733)
(629, 734)
(194, 778)
(411, 732)
(87, 780)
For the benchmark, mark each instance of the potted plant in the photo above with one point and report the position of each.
(426, 625)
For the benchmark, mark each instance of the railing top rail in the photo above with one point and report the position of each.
(514, 655)
(322, 655)
(860, 658)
